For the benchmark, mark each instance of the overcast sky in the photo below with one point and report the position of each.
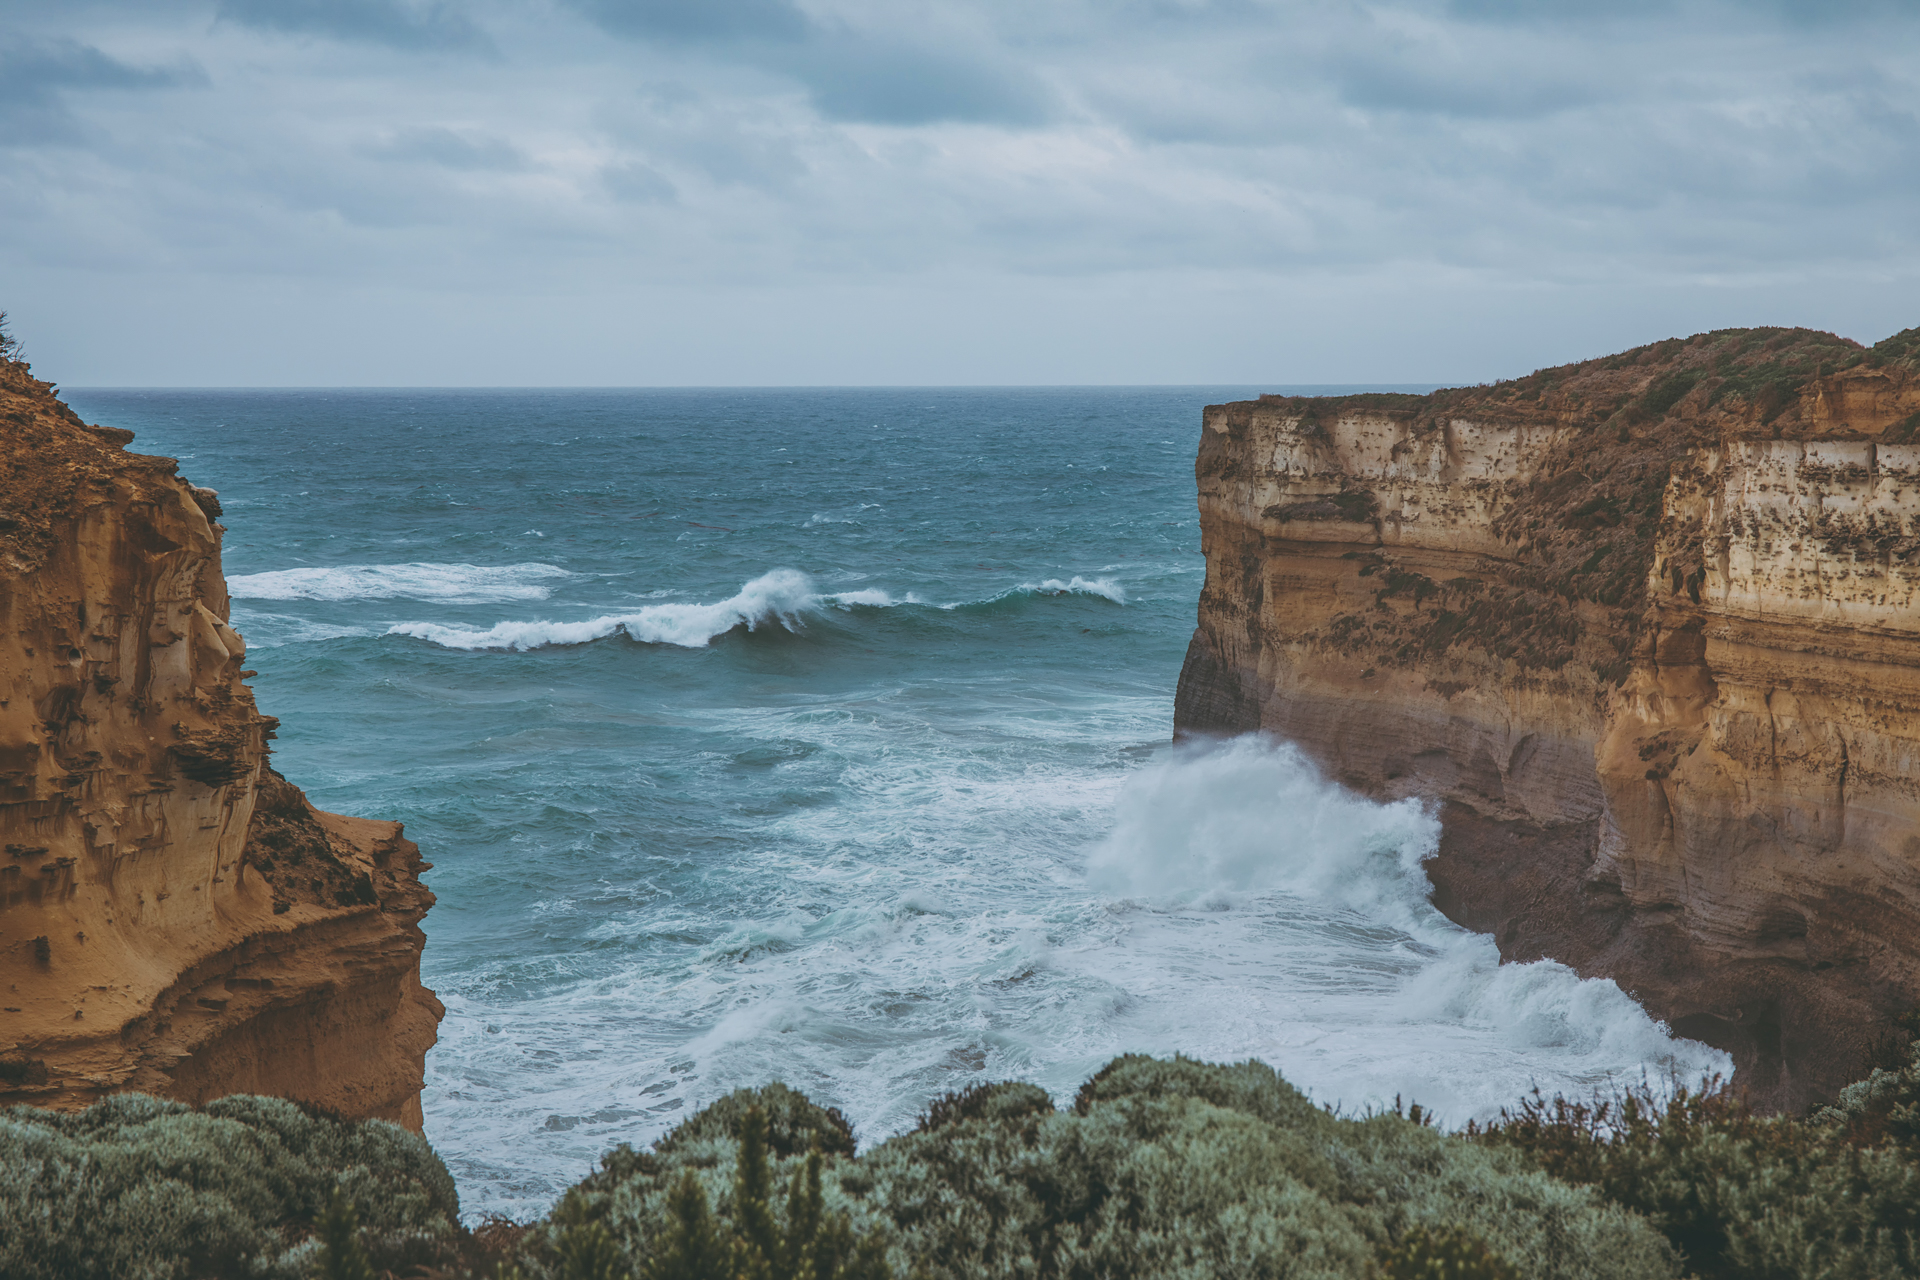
(647, 192)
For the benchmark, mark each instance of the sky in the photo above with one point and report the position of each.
(941, 192)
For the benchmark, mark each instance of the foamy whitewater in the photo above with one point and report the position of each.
(822, 736)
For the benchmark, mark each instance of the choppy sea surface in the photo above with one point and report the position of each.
(823, 735)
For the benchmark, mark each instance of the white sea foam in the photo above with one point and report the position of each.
(446, 583)
(956, 919)
(870, 598)
(1426, 1009)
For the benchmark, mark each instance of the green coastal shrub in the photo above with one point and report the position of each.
(1742, 1196)
(1160, 1169)
(136, 1188)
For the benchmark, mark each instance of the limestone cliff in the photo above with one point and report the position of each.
(174, 916)
(1647, 628)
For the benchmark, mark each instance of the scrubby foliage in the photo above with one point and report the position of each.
(1741, 1195)
(9, 345)
(1160, 1168)
(137, 1187)
(1902, 350)
(752, 1240)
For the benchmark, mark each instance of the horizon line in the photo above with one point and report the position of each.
(1414, 387)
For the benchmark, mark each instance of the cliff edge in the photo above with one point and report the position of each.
(1647, 628)
(175, 917)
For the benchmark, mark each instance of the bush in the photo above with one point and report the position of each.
(1741, 1195)
(138, 1187)
(588, 1237)
(9, 345)
(1161, 1168)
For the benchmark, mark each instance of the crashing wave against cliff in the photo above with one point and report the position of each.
(175, 917)
(1648, 627)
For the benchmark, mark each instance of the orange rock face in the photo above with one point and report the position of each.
(175, 918)
(1648, 630)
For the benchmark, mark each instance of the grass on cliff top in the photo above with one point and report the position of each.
(1159, 1169)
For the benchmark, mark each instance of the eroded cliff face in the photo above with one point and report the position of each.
(174, 916)
(1648, 630)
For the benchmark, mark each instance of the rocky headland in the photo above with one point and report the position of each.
(1647, 630)
(175, 917)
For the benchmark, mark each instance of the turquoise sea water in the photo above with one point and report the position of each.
(822, 735)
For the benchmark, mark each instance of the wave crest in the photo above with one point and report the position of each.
(1078, 586)
(783, 597)
(779, 597)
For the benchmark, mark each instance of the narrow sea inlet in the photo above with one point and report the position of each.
(823, 735)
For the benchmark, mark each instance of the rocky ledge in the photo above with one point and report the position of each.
(175, 917)
(1647, 630)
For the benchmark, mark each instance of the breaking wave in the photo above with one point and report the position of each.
(1106, 588)
(1251, 824)
(447, 583)
(781, 598)
(778, 598)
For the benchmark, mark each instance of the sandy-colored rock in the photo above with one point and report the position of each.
(174, 916)
(1647, 630)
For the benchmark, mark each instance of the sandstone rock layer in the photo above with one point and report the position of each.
(1647, 630)
(175, 917)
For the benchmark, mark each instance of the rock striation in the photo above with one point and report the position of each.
(1647, 630)
(175, 917)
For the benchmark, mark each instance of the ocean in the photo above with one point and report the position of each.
(824, 736)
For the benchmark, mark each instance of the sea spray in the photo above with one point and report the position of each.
(1211, 823)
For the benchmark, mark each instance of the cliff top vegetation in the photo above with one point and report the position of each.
(1159, 1168)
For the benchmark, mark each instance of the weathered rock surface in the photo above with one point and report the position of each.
(175, 917)
(1648, 630)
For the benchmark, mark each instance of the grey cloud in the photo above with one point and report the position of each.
(637, 183)
(1548, 11)
(884, 82)
(1654, 142)
(36, 76)
(719, 142)
(1490, 91)
(1732, 14)
(699, 20)
(430, 24)
(850, 74)
(449, 149)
